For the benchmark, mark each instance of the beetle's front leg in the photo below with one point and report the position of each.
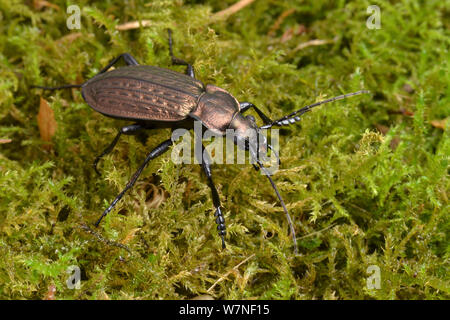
(247, 105)
(220, 219)
(132, 129)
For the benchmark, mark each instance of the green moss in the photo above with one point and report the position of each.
(358, 197)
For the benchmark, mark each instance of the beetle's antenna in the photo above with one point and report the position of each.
(291, 225)
(66, 86)
(295, 116)
(276, 156)
(275, 153)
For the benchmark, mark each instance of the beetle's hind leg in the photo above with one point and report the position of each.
(159, 150)
(177, 61)
(129, 130)
(128, 58)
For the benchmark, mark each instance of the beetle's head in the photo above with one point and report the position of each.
(248, 136)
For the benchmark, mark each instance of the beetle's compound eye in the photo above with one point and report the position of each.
(251, 118)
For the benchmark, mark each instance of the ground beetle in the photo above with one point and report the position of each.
(154, 97)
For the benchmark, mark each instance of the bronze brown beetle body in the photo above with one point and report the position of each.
(154, 97)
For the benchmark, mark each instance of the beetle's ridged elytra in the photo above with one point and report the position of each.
(155, 97)
(143, 93)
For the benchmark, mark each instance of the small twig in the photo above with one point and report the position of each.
(70, 37)
(315, 42)
(279, 21)
(230, 271)
(316, 232)
(231, 10)
(354, 205)
(133, 25)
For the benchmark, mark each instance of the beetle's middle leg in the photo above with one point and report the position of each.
(177, 61)
(129, 130)
(159, 150)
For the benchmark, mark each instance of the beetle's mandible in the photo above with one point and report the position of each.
(154, 97)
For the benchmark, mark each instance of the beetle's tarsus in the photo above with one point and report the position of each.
(95, 166)
(220, 219)
(223, 243)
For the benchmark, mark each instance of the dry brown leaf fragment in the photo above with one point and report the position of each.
(402, 111)
(439, 123)
(50, 294)
(406, 112)
(39, 4)
(382, 128)
(46, 122)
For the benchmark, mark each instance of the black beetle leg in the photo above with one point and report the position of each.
(177, 61)
(128, 58)
(220, 219)
(159, 150)
(247, 105)
(132, 129)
